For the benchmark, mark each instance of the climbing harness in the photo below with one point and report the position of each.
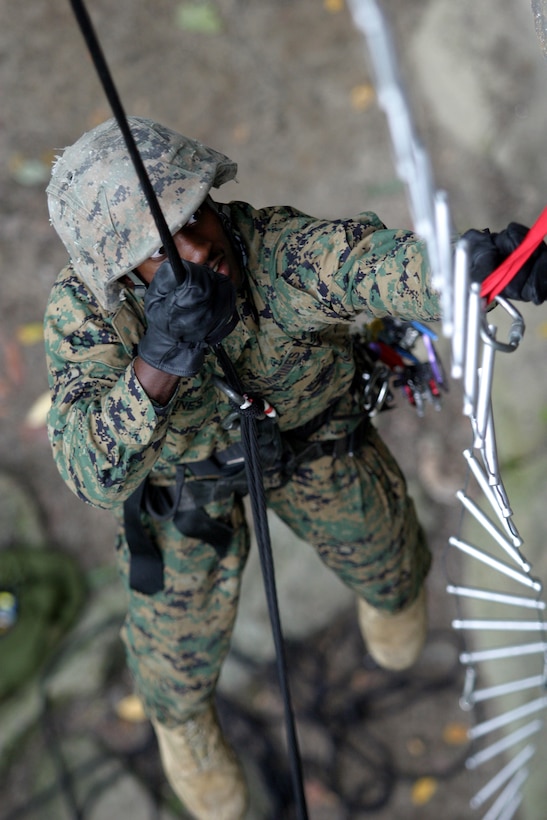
(475, 341)
(386, 361)
(220, 477)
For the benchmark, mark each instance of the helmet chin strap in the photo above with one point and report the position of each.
(223, 212)
(138, 283)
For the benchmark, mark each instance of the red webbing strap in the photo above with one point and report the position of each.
(498, 279)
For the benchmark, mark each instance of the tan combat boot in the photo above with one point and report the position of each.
(201, 768)
(394, 640)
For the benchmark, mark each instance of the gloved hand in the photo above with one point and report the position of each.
(184, 319)
(488, 250)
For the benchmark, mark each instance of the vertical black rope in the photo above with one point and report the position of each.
(248, 423)
(103, 72)
(257, 497)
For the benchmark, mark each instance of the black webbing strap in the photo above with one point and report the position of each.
(199, 524)
(146, 560)
(163, 504)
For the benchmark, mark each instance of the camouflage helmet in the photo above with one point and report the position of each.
(98, 208)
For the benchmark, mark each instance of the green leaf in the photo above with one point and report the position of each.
(200, 17)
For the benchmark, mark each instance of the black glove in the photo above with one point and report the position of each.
(488, 250)
(183, 320)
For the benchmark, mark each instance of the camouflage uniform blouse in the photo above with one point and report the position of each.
(306, 280)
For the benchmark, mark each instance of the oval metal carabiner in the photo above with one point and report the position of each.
(516, 331)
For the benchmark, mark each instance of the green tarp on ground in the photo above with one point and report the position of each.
(49, 591)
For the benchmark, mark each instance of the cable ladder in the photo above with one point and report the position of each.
(506, 736)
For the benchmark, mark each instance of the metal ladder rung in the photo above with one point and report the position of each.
(502, 652)
(502, 745)
(508, 717)
(508, 688)
(496, 500)
(509, 800)
(495, 597)
(491, 529)
(502, 776)
(504, 626)
(500, 566)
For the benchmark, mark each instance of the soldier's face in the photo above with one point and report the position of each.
(202, 240)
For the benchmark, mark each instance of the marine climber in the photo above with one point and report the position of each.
(141, 421)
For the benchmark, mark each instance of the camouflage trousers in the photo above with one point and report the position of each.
(354, 510)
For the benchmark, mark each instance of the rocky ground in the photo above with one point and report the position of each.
(285, 89)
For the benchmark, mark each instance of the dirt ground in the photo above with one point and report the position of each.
(285, 89)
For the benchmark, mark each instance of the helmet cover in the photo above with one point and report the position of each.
(98, 207)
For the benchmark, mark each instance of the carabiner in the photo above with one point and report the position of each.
(516, 331)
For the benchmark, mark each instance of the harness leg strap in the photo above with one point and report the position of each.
(146, 560)
(197, 523)
(146, 567)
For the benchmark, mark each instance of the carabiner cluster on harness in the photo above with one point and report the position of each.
(391, 349)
